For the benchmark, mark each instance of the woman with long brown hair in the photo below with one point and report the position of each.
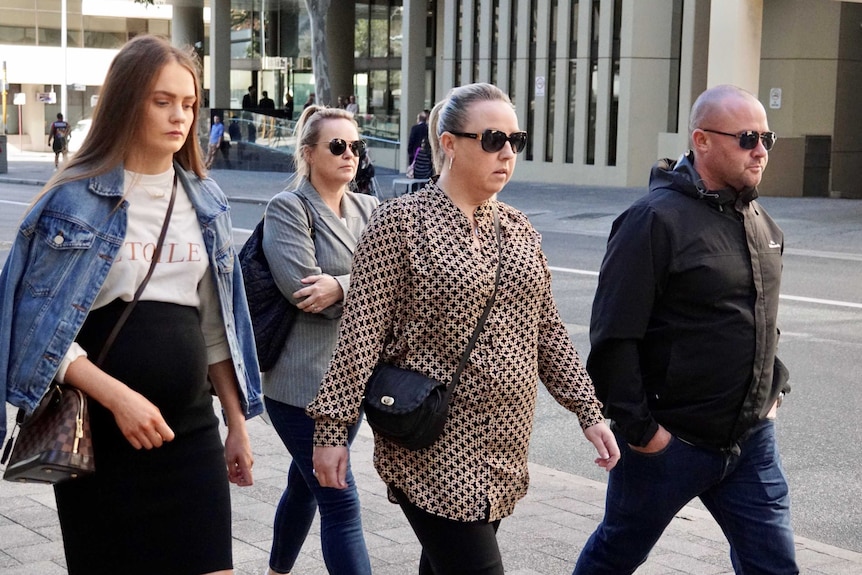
(159, 501)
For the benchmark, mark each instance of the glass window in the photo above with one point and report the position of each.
(573, 82)
(593, 79)
(550, 85)
(395, 31)
(674, 64)
(613, 112)
(379, 29)
(362, 31)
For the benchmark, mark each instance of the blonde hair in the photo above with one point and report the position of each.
(452, 113)
(307, 132)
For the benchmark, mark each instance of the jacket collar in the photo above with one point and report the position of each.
(681, 176)
(341, 229)
(109, 184)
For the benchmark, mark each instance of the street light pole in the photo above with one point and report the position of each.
(64, 88)
(4, 89)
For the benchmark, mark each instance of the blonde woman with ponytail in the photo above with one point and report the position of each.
(422, 275)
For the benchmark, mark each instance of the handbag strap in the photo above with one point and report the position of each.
(131, 305)
(481, 323)
(123, 317)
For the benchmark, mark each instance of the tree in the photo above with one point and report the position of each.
(317, 10)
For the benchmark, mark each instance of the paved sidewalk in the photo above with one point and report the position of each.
(543, 536)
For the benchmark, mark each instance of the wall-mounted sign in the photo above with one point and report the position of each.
(19, 99)
(46, 97)
(79, 87)
(540, 86)
(775, 98)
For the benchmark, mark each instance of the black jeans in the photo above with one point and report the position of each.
(453, 547)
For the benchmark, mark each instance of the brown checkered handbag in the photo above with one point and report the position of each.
(54, 443)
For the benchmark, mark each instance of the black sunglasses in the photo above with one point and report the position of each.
(339, 146)
(494, 140)
(748, 139)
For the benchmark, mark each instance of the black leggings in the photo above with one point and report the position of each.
(453, 547)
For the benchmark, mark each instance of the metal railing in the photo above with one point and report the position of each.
(277, 133)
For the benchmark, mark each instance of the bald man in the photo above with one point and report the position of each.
(684, 335)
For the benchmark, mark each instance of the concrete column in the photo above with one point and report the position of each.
(486, 24)
(735, 31)
(468, 33)
(449, 20)
(561, 87)
(582, 89)
(504, 44)
(693, 67)
(412, 72)
(604, 82)
(219, 69)
(538, 130)
(340, 33)
(522, 93)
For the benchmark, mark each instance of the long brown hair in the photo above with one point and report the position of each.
(119, 115)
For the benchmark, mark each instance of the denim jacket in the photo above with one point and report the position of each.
(59, 260)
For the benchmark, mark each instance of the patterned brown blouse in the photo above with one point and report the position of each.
(418, 287)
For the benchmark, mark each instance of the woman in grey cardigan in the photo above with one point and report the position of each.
(310, 232)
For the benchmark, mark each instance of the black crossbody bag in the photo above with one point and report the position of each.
(409, 408)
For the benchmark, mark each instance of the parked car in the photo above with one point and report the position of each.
(77, 135)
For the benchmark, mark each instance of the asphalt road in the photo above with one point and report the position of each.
(821, 310)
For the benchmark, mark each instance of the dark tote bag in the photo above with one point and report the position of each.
(272, 315)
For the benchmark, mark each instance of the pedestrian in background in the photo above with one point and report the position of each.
(159, 501)
(58, 133)
(249, 105)
(311, 265)
(422, 274)
(418, 134)
(352, 106)
(215, 141)
(684, 338)
(266, 108)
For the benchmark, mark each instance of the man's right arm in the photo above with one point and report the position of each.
(614, 367)
(631, 273)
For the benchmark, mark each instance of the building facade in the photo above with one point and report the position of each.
(602, 86)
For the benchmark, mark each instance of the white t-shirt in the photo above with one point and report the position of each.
(182, 273)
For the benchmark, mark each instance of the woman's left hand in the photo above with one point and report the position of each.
(601, 436)
(320, 292)
(238, 456)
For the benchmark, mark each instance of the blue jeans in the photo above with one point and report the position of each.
(746, 492)
(341, 537)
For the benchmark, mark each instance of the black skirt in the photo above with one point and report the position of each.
(164, 510)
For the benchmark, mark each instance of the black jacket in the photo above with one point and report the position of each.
(683, 328)
(418, 133)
